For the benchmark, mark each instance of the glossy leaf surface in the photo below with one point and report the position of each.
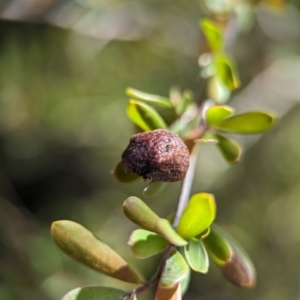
(216, 114)
(196, 256)
(83, 246)
(248, 123)
(94, 293)
(123, 177)
(176, 269)
(212, 33)
(144, 116)
(153, 99)
(227, 71)
(198, 215)
(230, 149)
(144, 243)
(139, 213)
(154, 188)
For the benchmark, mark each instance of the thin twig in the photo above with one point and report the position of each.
(186, 187)
(153, 280)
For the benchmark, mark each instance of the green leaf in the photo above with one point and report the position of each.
(212, 33)
(175, 270)
(230, 149)
(185, 283)
(139, 213)
(164, 228)
(144, 116)
(121, 176)
(196, 256)
(238, 268)
(217, 246)
(153, 99)
(154, 188)
(216, 114)
(145, 243)
(83, 246)
(247, 123)
(227, 71)
(94, 293)
(198, 215)
(217, 90)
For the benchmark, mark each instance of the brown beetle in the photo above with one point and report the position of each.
(158, 155)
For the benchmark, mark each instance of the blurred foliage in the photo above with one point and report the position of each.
(63, 129)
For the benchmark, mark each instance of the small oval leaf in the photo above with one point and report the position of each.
(198, 215)
(144, 116)
(216, 114)
(144, 243)
(212, 33)
(94, 293)
(154, 188)
(196, 256)
(139, 213)
(230, 149)
(153, 99)
(217, 246)
(176, 269)
(238, 268)
(247, 123)
(123, 177)
(226, 71)
(83, 246)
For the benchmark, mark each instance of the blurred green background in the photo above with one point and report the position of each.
(64, 68)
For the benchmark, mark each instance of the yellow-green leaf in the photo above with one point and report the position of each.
(226, 71)
(198, 215)
(150, 98)
(217, 246)
(144, 116)
(247, 123)
(216, 114)
(213, 34)
(217, 90)
(230, 149)
(83, 246)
